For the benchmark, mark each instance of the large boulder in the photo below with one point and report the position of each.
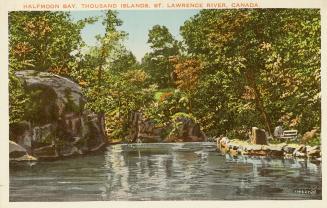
(15, 150)
(258, 136)
(57, 124)
(18, 153)
(60, 92)
(144, 130)
(185, 129)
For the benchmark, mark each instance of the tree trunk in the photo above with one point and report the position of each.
(250, 78)
(102, 60)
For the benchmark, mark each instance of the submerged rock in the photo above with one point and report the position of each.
(59, 125)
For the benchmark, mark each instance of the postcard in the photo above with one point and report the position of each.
(163, 103)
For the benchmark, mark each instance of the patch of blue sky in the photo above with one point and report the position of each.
(136, 23)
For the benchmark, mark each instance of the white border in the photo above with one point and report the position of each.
(10, 5)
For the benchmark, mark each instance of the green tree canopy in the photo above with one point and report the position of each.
(44, 41)
(157, 62)
(266, 60)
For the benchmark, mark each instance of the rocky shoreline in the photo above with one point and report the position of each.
(61, 127)
(282, 150)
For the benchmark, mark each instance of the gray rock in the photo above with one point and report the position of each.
(301, 151)
(65, 90)
(49, 151)
(288, 149)
(258, 136)
(15, 150)
(147, 131)
(313, 148)
(302, 148)
(314, 152)
(19, 153)
(21, 133)
(59, 119)
(299, 154)
(252, 148)
(188, 130)
(275, 151)
(233, 146)
(278, 132)
(224, 141)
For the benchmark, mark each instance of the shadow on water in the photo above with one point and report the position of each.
(182, 171)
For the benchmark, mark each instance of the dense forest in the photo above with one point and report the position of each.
(232, 69)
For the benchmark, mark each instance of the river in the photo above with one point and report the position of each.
(164, 171)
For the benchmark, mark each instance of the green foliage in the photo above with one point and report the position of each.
(161, 92)
(17, 99)
(70, 105)
(315, 141)
(168, 105)
(123, 61)
(236, 69)
(157, 63)
(44, 41)
(41, 108)
(41, 41)
(112, 80)
(263, 65)
(176, 122)
(182, 115)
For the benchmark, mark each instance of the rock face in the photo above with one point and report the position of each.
(58, 125)
(145, 130)
(258, 136)
(186, 131)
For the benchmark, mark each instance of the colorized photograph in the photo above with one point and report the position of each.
(161, 105)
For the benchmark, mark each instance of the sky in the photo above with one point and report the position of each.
(136, 23)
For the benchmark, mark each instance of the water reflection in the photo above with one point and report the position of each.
(188, 171)
(196, 171)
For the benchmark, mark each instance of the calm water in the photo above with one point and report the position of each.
(188, 171)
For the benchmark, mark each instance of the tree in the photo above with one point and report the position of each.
(187, 72)
(156, 63)
(124, 61)
(45, 41)
(17, 99)
(263, 56)
(111, 79)
(41, 41)
(110, 40)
